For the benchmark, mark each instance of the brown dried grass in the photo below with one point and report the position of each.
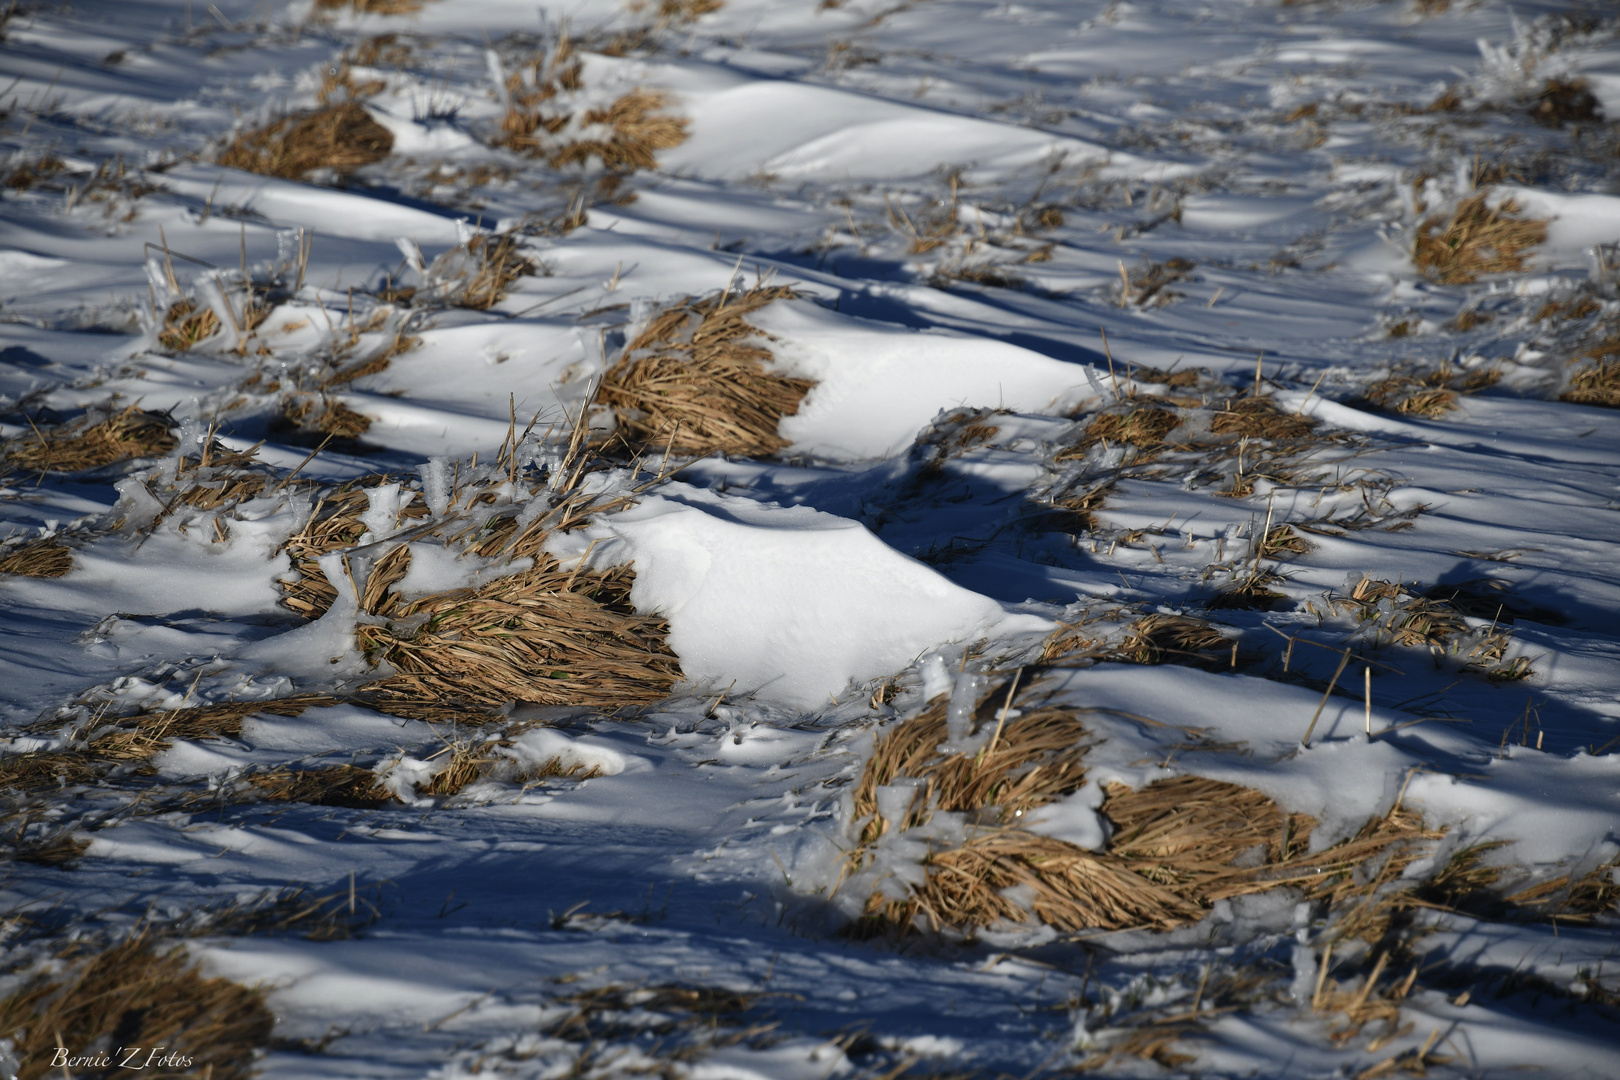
(1149, 285)
(324, 415)
(1141, 426)
(1076, 513)
(30, 173)
(1175, 639)
(1259, 418)
(371, 7)
(372, 365)
(342, 138)
(185, 325)
(42, 557)
(638, 126)
(531, 86)
(686, 11)
(333, 526)
(1178, 846)
(1477, 239)
(137, 739)
(499, 265)
(544, 636)
(330, 785)
(1596, 385)
(1283, 541)
(1566, 101)
(692, 383)
(135, 994)
(74, 447)
(627, 133)
(40, 769)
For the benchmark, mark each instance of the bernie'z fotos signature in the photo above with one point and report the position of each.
(125, 1057)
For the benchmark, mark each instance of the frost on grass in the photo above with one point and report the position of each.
(696, 379)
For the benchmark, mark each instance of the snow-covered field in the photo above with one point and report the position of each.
(792, 539)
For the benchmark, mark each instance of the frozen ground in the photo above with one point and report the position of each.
(1004, 224)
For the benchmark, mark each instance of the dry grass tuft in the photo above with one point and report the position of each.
(1175, 639)
(132, 994)
(1596, 385)
(1282, 541)
(1259, 418)
(371, 7)
(1393, 614)
(1566, 101)
(41, 769)
(686, 11)
(30, 173)
(1431, 394)
(1144, 427)
(474, 275)
(334, 525)
(1477, 239)
(693, 383)
(332, 917)
(43, 557)
(185, 325)
(1076, 513)
(498, 265)
(1178, 845)
(1149, 285)
(636, 127)
(342, 138)
(544, 636)
(82, 444)
(623, 136)
(331, 785)
(324, 416)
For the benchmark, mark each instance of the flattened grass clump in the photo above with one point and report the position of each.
(1566, 101)
(625, 135)
(693, 382)
(331, 785)
(135, 994)
(1596, 385)
(1075, 513)
(1176, 639)
(42, 557)
(543, 636)
(1178, 845)
(342, 138)
(1142, 426)
(186, 325)
(1149, 285)
(135, 740)
(1476, 239)
(86, 444)
(499, 264)
(1394, 614)
(325, 416)
(1259, 418)
(371, 7)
